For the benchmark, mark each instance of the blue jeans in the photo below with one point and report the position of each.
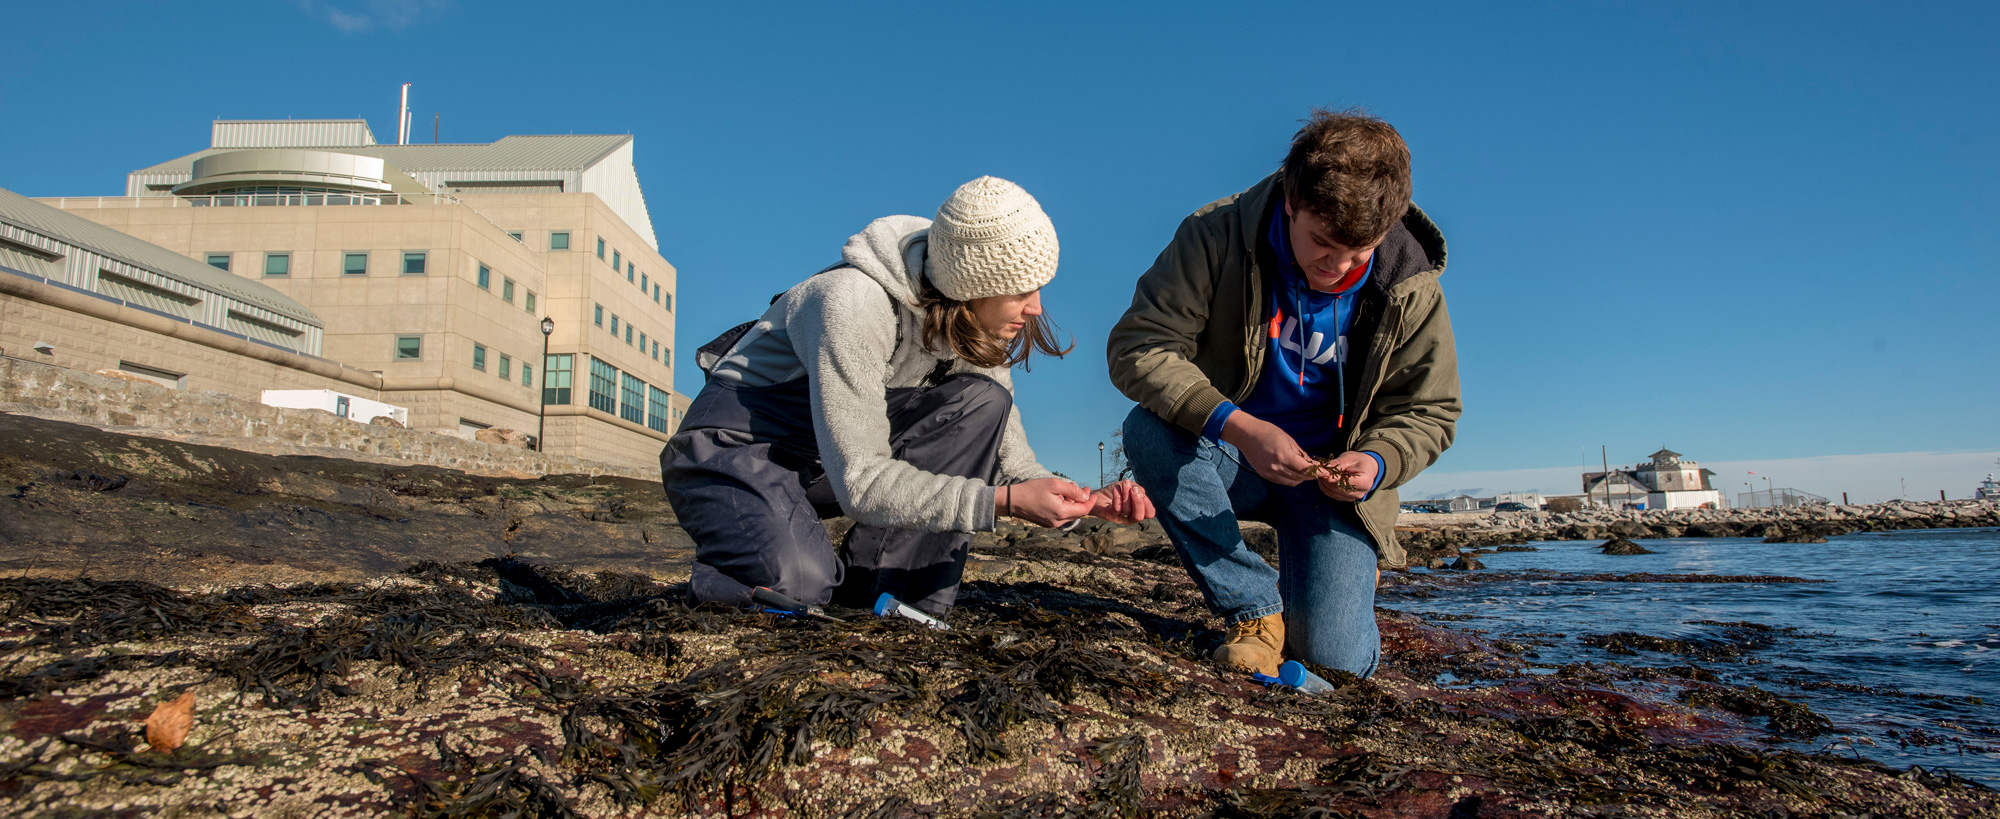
(1326, 576)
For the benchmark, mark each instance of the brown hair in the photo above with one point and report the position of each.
(951, 321)
(1352, 170)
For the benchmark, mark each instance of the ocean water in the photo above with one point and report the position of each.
(1900, 649)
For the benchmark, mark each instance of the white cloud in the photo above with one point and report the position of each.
(1865, 478)
(357, 16)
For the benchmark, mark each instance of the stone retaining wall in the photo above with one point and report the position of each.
(218, 419)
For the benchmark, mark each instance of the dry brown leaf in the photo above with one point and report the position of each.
(168, 727)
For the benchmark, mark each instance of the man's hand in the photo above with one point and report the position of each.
(1122, 502)
(1043, 501)
(1361, 470)
(1270, 451)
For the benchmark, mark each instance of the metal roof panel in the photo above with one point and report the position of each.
(69, 227)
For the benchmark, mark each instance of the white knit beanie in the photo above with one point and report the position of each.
(990, 239)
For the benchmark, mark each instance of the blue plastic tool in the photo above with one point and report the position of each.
(1296, 676)
(887, 605)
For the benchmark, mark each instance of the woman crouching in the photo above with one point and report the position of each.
(878, 388)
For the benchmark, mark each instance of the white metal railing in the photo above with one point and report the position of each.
(244, 200)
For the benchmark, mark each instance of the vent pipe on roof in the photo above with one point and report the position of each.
(403, 118)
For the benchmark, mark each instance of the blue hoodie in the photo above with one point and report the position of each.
(1302, 388)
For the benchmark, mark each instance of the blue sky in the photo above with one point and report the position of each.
(1751, 232)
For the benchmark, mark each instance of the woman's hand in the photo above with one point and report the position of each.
(1122, 502)
(1043, 501)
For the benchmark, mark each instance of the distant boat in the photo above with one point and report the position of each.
(1989, 489)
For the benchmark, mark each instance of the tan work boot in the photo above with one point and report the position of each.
(1255, 645)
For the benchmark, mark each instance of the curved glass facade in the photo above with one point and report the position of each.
(269, 195)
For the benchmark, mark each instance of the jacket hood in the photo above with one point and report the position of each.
(890, 250)
(1413, 246)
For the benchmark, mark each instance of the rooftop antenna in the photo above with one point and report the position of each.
(403, 118)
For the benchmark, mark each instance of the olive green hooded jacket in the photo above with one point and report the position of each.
(1193, 337)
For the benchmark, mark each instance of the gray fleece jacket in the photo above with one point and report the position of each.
(853, 332)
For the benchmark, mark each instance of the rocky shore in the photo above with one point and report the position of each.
(357, 641)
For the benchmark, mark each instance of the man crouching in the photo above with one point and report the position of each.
(1293, 363)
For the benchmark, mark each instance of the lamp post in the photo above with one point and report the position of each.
(1100, 464)
(542, 420)
(1772, 490)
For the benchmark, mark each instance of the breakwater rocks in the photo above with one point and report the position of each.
(1431, 539)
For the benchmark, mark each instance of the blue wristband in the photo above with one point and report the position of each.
(1380, 466)
(1213, 429)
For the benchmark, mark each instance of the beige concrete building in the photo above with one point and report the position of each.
(79, 295)
(434, 266)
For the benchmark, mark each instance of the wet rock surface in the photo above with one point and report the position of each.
(1621, 546)
(462, 681)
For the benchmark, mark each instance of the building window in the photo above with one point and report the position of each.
(479, 357)
(517, 236)
(559, 240)
(277, 265)
(527, 375)
(354, 264)
(485, 277)
(506, 367)
(656, 350)
(642, 342)
(413, 262)
(617, 261)
(642, 283)
(632, 403)
(600, 247)
(507, 290)
(669, 302)
(656, 408)
(597, 315)
(656, 292)
(556, 378)
(409, 348)
(528, 302)
(628, 335)
(614, 324)
(603, 386)
(219, 261)
(630, 270)
(667, 356)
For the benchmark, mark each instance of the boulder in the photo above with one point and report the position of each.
(1116, 541)
(1621, 546)
(989, 568)
(1048, 541)
(1467, 563)
(1517, 548)
(1261, 539)
(1796, 536)
(1629, 529)
(385, 421)
(1712, 529)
